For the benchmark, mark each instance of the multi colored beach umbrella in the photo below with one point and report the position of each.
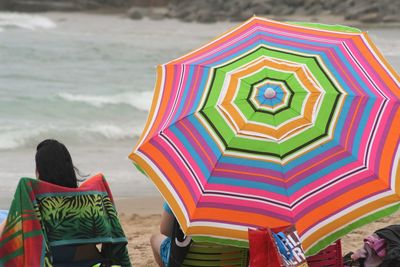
(273, 124)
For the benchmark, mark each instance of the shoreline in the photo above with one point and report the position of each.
(365, 12)
(140, 205)
(322, 18)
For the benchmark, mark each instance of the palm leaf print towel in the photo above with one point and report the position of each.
(44, 215)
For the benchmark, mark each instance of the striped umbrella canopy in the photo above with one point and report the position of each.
(273, 124)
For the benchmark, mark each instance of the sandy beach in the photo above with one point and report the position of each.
(140, 218)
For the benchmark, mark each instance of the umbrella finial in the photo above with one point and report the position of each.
(269, 93)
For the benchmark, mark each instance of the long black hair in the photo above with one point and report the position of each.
(54, 164)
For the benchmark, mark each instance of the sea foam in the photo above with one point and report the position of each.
(17, 138)
(24, 21)
(13, 138)
(138, 100)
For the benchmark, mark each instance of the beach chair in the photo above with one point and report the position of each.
(185, 252)
(47, 222)
(329, 257)
(208, 254)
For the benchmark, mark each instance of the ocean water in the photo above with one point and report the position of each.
(87, 80)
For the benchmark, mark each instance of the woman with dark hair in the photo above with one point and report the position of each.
(56, 221)
(54, 164)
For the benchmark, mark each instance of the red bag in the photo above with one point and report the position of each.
(278, 247)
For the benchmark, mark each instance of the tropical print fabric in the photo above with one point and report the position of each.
(44, 215)
(273, 124)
